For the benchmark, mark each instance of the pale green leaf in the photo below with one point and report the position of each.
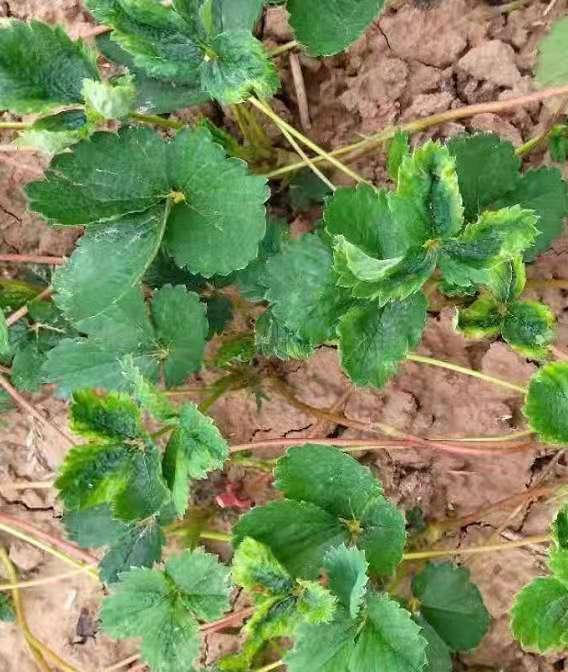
(482, 319)
(326, 28)
(546, 406)
(236, 66)
(529, 328)
(487, 169)
(452, 605)
(110, 101)
(373, 341)
(539, 618)
(40, 67)
(181, 327)
(254, 567)
(109, 260)
(208, 234)
(48, 142)
(302, 290)
(346, 570)
(552, 68)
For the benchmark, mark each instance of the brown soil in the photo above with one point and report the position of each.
(419, 59)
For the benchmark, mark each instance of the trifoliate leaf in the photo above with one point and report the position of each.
(302, 290)
(346, 570)
(326, 514)
(326, 28)
(153, 96)
(109, 260)
(546, 406)
(487, 169)
(452, 605)
(399, 148)
(390, 641)
(545, 192)
(529, 328)
(105, 178)
(41, 68)
(162, 607)
(361, 215)
(539, 618)
(306, 189)
(107, 418)
(427, 203)
(552, 69)
(182, 328)
(110, 101)
(482, 319)
(158, 38)
(373, 341)
(235, 66)
(207, 233)
(273, 339)
(195, 448)
(437, 652)
(7, 613)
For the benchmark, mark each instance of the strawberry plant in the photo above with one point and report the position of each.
(179, 236)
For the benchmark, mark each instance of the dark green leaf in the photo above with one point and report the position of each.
(139, 546)
(108, 417)
(437, 652)
(273, 339)
(307, 190)
(529, 328)
(546, 405)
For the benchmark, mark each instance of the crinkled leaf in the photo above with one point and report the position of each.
(507, 279)
(208, 234)
(110, 101)
(539, 618)
(302, 289)
(40, 67)
(545, 192)
(107, 177)
(237, 67)
(390, 640)
(529, 328)
(487, 169)
(254, 567)
(273, 339)
(552, 69)
(546, 406)
(427, 204)
(374, 341)
(482, 319)
(109, 260)
(346, 570)
(326, 28)
(452, 605)
(7, 614)
(182, 328)
(195, 448)
(108, 417)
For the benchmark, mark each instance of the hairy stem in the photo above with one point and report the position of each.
(32, 259)
(475, 550)
(430, 361)
(363, 147)
(281, 124)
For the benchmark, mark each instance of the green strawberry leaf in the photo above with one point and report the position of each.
(236, 66)
(507, 280)
(163, 608)
(302, 290)
(306, 189)
(273, 339)
(56, 132)
(195, 448)
(546, 406)
(545, 192)
(109, 260)
(373, 341)
(346, 570)
(539, 618)
(482, 319)
(487, 169)
(452, 605)
(239, 16)
(5, 349)
(108, 417)
(41, 68)
(27, 368)
(182, 328)
(7, 613)
(207, 233)
(551, 69)
(317, 516)
(437, 652)
(558, 143)
(326, 28)
(558, 553)
(103, 100)
(399, 149)
(529, 328)
(257, 570)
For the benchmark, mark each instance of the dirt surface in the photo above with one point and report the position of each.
(419, 59)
